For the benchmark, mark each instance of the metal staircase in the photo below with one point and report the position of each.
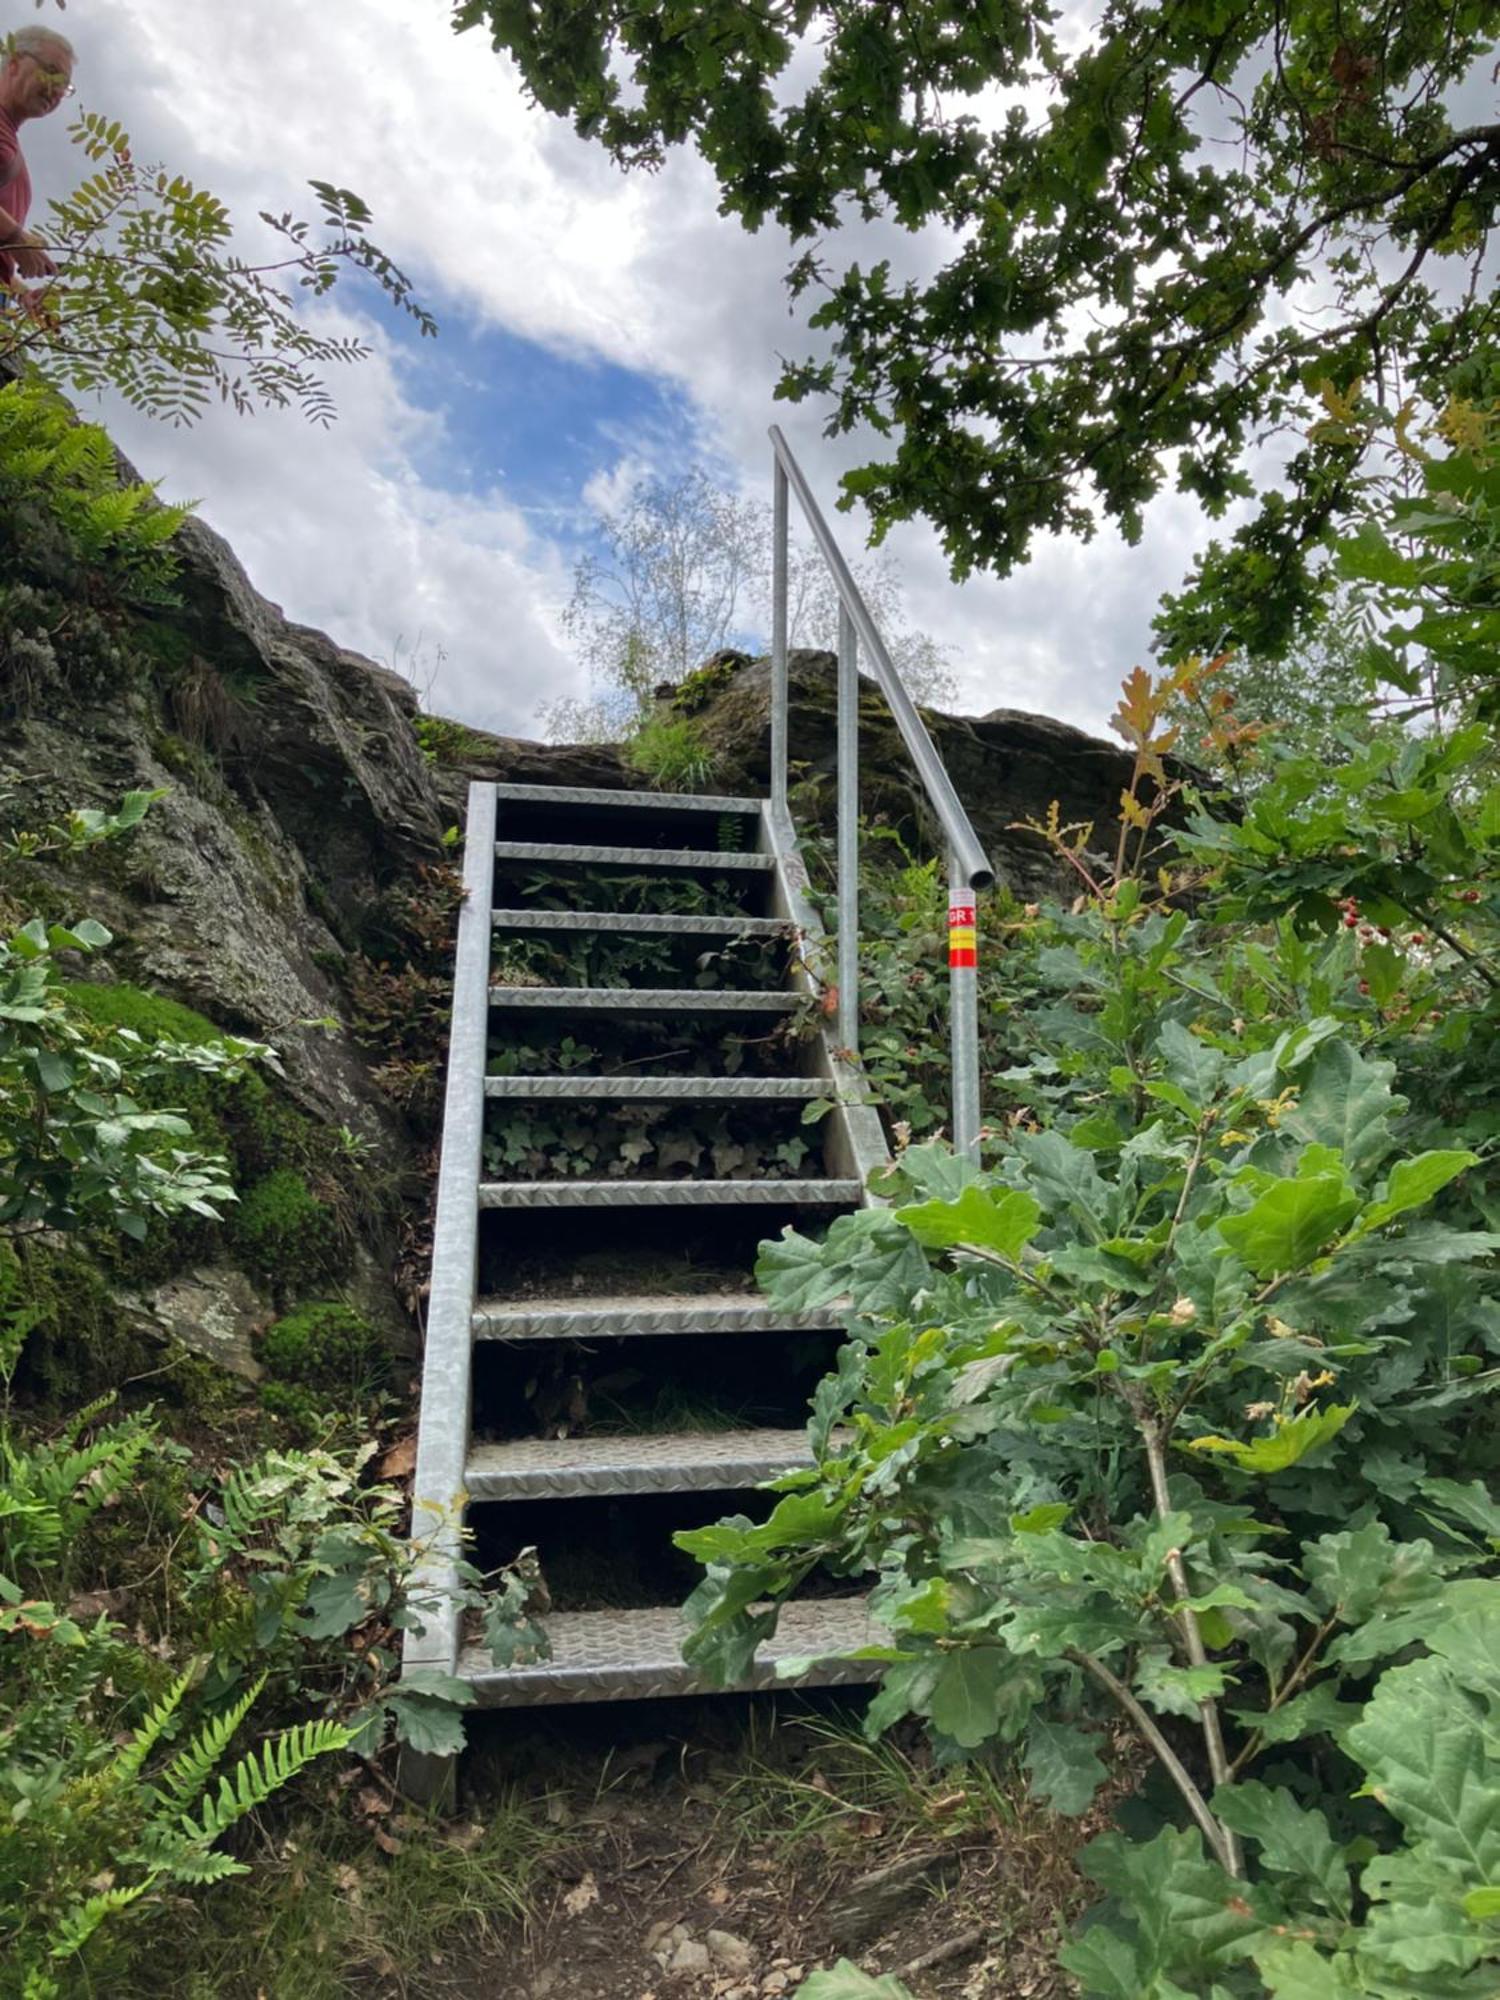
(516, 1289)
(485, 1297)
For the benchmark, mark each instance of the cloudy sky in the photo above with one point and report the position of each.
(591, 323)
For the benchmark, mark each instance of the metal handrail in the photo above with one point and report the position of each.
(969, 867)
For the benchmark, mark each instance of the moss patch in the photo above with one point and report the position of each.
(82, 1343)
(285, 1233)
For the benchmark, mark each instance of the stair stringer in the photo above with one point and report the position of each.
(855, 1137)
(438, 1497)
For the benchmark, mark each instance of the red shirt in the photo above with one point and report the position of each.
(15, 187)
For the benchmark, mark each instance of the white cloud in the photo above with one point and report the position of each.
(506, 218)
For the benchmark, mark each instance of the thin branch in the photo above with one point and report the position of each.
(1219, 1838)
(1208, 1708)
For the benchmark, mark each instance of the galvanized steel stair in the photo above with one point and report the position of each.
(461, 1479)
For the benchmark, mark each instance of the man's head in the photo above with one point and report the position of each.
(37, 73)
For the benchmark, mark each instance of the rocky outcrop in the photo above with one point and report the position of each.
(1008, 767)
(295, 797)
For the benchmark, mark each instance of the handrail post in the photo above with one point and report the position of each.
(848, 835)
(963, 1008)
(779, 560)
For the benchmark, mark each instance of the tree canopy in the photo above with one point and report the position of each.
(1173, 228)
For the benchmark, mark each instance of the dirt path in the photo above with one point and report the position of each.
(721, 1851)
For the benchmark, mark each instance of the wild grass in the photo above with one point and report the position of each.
(328, 1913)
(670, 754)
(820, 1779)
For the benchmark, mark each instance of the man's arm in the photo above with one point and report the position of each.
(25, 247)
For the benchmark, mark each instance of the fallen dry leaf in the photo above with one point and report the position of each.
(400, 1461)
(581, 1896)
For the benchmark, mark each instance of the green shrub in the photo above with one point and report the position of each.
(445, 742)
(671, 754)
(285, 1233)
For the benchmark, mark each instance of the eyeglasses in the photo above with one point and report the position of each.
(55, 79)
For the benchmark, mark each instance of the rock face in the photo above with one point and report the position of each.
(1007, 766)
(295, 795)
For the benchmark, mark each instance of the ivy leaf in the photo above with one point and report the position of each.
(1065, 1770)
(1290, 1223)
(1004, 1223)
(1286, 1445)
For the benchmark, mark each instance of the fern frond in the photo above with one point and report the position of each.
(127, 1763)
(253, 1781)
(188, 1772)
(75, 1930)
(191, 1867)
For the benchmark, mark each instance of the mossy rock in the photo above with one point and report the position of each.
(286, 1234)
(326, 1346)
(249, 1120)
(82, 1343)
(152, 1015)
(323, 1358)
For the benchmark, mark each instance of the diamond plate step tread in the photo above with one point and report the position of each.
(635, 1655)
(665, 1462)
(604, 795)
(669, 1194)
(651, 923)
(664, 1089)
(614, 1318)
(704, 858)
(647, 999)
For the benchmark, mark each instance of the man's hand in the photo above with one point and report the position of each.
(31, 256)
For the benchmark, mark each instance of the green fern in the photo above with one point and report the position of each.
(251, 1783)
(75, 1930)
(189, 1771)
(130, 1760)
(48, 457)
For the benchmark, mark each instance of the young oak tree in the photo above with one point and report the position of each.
(1167, 225)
